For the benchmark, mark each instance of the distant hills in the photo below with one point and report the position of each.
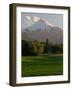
(42, 30)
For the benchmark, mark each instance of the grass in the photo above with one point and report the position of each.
(42, 65)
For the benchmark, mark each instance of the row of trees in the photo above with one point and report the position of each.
(33, 48)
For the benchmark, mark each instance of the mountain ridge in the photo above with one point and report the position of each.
(42, 30)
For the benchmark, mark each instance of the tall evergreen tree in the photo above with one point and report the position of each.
(46, 47)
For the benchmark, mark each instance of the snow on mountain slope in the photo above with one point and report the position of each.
(41, 30)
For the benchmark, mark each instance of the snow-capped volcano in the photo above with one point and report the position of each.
(41, 30)
(33, 18)
(40, 25)
(35, 23)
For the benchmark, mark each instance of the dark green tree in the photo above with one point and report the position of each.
(28, 49)
(46, 48)
(56, 49)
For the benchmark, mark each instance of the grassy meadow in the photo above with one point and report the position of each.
(42, 65)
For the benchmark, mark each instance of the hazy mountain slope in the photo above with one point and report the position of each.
(41, 30)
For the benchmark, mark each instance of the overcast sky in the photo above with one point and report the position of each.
(55, 19)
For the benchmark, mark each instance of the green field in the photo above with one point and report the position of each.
(42, 65)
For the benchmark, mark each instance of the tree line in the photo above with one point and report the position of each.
(34, 48)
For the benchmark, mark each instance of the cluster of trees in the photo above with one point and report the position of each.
(34, 48)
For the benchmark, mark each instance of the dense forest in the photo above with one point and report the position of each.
(34, 48)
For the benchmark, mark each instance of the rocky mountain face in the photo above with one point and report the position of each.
(42, 30)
